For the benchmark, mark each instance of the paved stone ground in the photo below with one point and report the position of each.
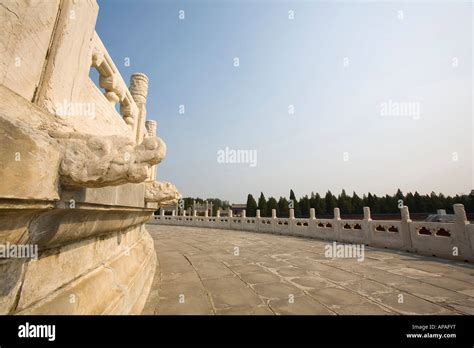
(200, 272)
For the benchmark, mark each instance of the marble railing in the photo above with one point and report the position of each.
(446, 240)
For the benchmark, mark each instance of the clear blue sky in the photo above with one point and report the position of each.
(424, 58)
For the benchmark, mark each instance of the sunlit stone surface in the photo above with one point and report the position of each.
(74, 171)
(210, 271)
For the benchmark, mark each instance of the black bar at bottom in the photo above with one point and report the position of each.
(141, 330)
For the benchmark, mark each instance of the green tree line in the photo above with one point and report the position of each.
(348, 204)
(353, 204)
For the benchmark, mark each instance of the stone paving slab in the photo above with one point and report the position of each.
(210, 271)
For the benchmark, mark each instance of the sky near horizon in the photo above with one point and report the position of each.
(362, 95)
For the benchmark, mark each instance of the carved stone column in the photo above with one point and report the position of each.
(151, 132)
(406, 234)
(139, 91)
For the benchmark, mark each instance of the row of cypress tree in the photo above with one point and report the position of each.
(354, 204)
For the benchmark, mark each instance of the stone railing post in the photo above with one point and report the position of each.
(337, 223)
(218, 213)
(173, 212)
(229, 212)
(151, 132)
(292, 223)
(292, 213)
(366, 225)
(243, 214)
(461, 237)
(162, 212)
(257, 221)
(183, 212)
(273, 220)
(405, 222)
(139, 91)
(194, 213)
(312, 213)
(367, 216)
(206, 213)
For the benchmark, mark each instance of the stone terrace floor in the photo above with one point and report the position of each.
(199, 273)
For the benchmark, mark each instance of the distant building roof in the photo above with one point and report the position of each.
(239, 206)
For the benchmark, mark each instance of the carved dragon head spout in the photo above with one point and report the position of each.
(93, 161)
(163, 193)
(152, 150)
